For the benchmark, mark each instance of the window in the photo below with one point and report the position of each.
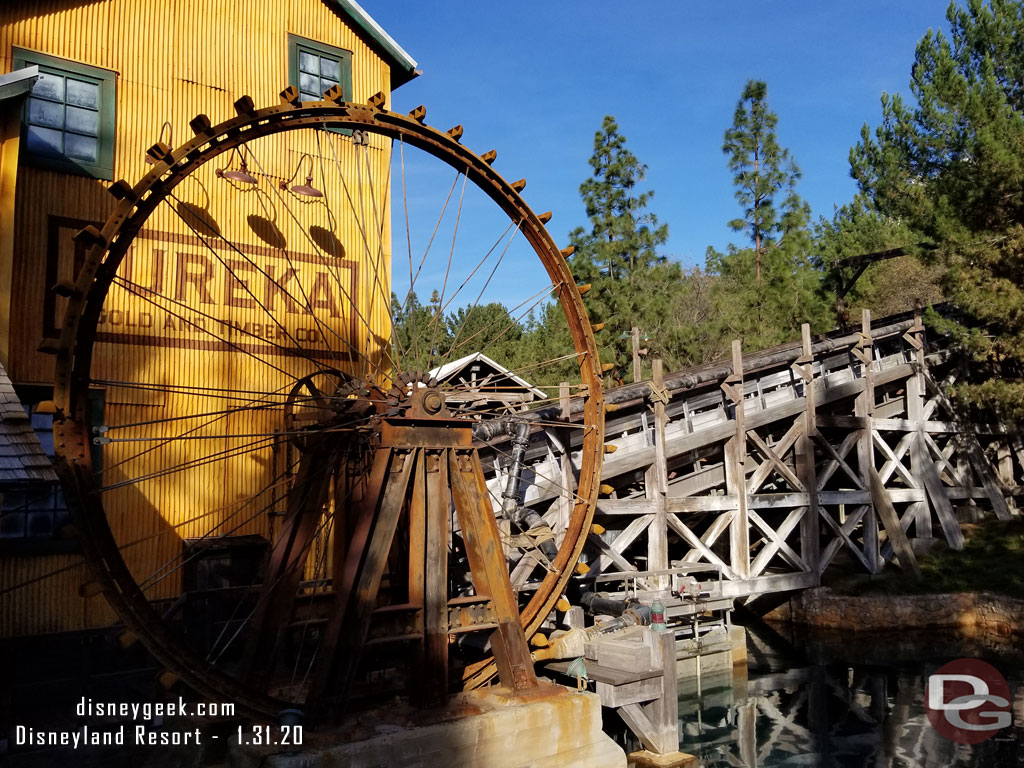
(32, 514)
(314, 67)
(69, 116)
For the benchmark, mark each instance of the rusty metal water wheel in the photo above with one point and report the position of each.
(282, 432)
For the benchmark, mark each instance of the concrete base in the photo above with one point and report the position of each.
(479, 728)
(645, 759)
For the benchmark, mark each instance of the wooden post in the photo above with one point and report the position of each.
(865, 408)
(1004, 462)
(634, 335)
(735, 473)
(656, 483)
(568, 479)
(915, 413)
(810, 538)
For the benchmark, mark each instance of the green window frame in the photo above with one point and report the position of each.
(68, 121)
(314, 67)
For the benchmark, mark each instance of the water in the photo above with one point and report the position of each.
(843, 699)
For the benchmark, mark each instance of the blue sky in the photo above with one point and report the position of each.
(534, 79)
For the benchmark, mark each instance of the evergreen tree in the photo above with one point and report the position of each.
(952, 166)
(765, 292)
(631, 282)
(420, 335)
(761, 170)
(886, 287)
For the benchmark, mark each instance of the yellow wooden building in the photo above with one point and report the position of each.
(88, 87)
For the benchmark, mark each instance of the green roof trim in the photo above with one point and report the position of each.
(403, 66)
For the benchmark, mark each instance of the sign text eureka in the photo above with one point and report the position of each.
(174, 290)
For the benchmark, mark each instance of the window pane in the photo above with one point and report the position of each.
(84, 148)
(83, 121)
(308, 62)
(46, 113)
(46, 441)
(326, 84)
(41, 421)
(329, 68)
(83, 94)
(309, 84)
(49, 87)
(43, 141)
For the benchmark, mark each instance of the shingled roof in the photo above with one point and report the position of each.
(22, 459)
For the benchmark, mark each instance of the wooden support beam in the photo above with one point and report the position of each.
(567, 498)
(838, 457)
(777, 542)
(937, 497)
(843, 533)
(891, 522)
(657, 724)
(775, 460)
(656, 481)
(735, 475)
(864, 407)
(806, 466)
(702, 546)
(976, 456)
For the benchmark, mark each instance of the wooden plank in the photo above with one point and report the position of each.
(638, 722)
(976, 457)
(701, 504)
(888, 425)
(483, 548)
(784, 582)
(656, 483)
(850, 498)
(779, 449)
(778, 542)
(843, 538)
(838, 460)
(940, 456)
(778, 500)
(896, 457)
(602, 674)
(774, 459)
(735, 475)
(699, 545)
(894, 461)
(435, 606)
(980, 464)
(938, 499)
(891, 523)
(864, 406)
(806, 466)
(623, 506)
(613, 552)
(665, 709)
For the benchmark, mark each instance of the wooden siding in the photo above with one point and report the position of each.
(173, 60)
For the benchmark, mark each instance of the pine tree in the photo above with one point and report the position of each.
(631, 282)
(765, 292)
(951, 165)
(761, 169)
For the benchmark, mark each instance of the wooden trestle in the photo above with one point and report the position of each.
(772, 467)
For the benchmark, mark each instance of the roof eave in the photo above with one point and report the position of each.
(17, 83)
(403, 66)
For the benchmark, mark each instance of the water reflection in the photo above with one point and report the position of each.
(839, 699)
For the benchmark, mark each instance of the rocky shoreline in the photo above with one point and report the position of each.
(972, 614)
